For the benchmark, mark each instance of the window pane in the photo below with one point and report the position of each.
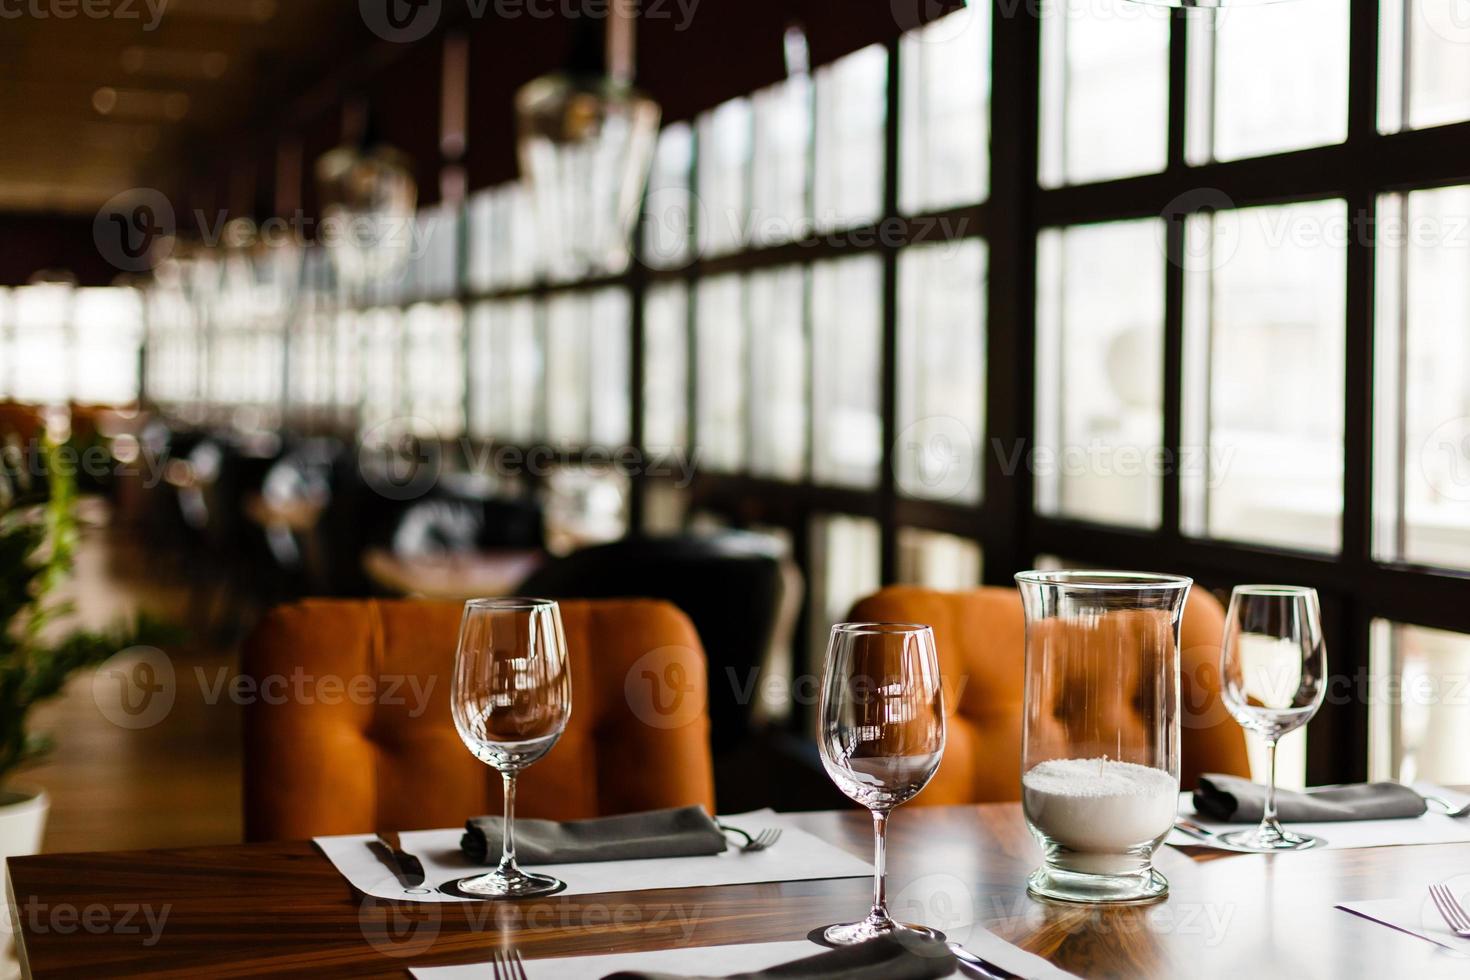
(1104, 91)
(108, 327)
(666, 374)
(944, 92)
(1099, 369)
(937, 561)
(382, 366)
(1280, 80)
(567, 338)
(435, 356)
(666, 233)
(1424, 76)
(847, 335)
(39, 342)
(587, 368)
(724, 176)
(778, 416)
(1422, 393)
(780, 169)
(1263, 382)
(846, 565)
(607, 353)
(719, 387)
(851, 99)
(513, 400)
(941, 370)
(1418, 707)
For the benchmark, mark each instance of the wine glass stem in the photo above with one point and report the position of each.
(1269, 823)
(880, 865)
(508, 834)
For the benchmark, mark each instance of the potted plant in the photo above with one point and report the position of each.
(38, 537)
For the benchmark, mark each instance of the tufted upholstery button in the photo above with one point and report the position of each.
(981, 635)
(352, 731)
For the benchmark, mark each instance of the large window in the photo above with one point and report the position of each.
(1187, 292)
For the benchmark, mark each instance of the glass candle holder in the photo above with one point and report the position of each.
(1100, 745)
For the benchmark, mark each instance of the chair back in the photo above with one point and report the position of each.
(981, 635)
(350, 730)
(731, 585)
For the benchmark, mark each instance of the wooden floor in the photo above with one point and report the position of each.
(173, 783)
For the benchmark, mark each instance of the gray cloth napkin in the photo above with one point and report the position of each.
(1230, 798)
(903, 956)
(680, 832)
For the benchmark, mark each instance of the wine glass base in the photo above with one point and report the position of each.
(1078, 888)
(497, 885)
(1257, 840)
(852, 933)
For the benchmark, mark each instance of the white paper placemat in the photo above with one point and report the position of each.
(1416, 916)
(722, 960)
(1432, 828)
(797, 856)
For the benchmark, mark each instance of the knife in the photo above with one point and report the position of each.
(982, 967)
(410, 870)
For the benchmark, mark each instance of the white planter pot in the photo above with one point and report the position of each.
(22, 820)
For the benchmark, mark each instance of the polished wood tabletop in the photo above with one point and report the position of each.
(282, 909)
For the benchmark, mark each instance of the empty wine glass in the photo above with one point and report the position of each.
(1273, 669)
(511, 698)
(882, 736)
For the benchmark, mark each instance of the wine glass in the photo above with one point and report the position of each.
(1273, 670)
(881, 738)
(511, 698)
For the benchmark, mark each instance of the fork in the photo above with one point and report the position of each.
(507, 964)
(759, 842)
(1450, 908)
(1450, 810)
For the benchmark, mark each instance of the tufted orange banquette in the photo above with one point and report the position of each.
(981, 635)
(349, 730)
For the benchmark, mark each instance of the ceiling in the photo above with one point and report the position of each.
(95, 105)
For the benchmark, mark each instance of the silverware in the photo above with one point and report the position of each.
(983, 967)
(1450, 908)
(507, 964)
(759, 842)
(1450, 810)
(410, 870)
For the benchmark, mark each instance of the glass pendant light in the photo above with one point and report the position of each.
(368, 196)
(585, 138)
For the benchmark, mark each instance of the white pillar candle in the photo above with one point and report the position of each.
(1100, 809)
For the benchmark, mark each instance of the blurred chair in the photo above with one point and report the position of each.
(319, 764)
(739, 591)
(981, 635)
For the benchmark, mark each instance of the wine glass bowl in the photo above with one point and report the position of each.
(882, 736)
(1273, 678)
(511, 699)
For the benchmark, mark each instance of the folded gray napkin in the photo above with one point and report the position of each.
(901, 956)
(681, 832)
(1230, 798)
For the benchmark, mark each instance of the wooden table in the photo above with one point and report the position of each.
(281, 908)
